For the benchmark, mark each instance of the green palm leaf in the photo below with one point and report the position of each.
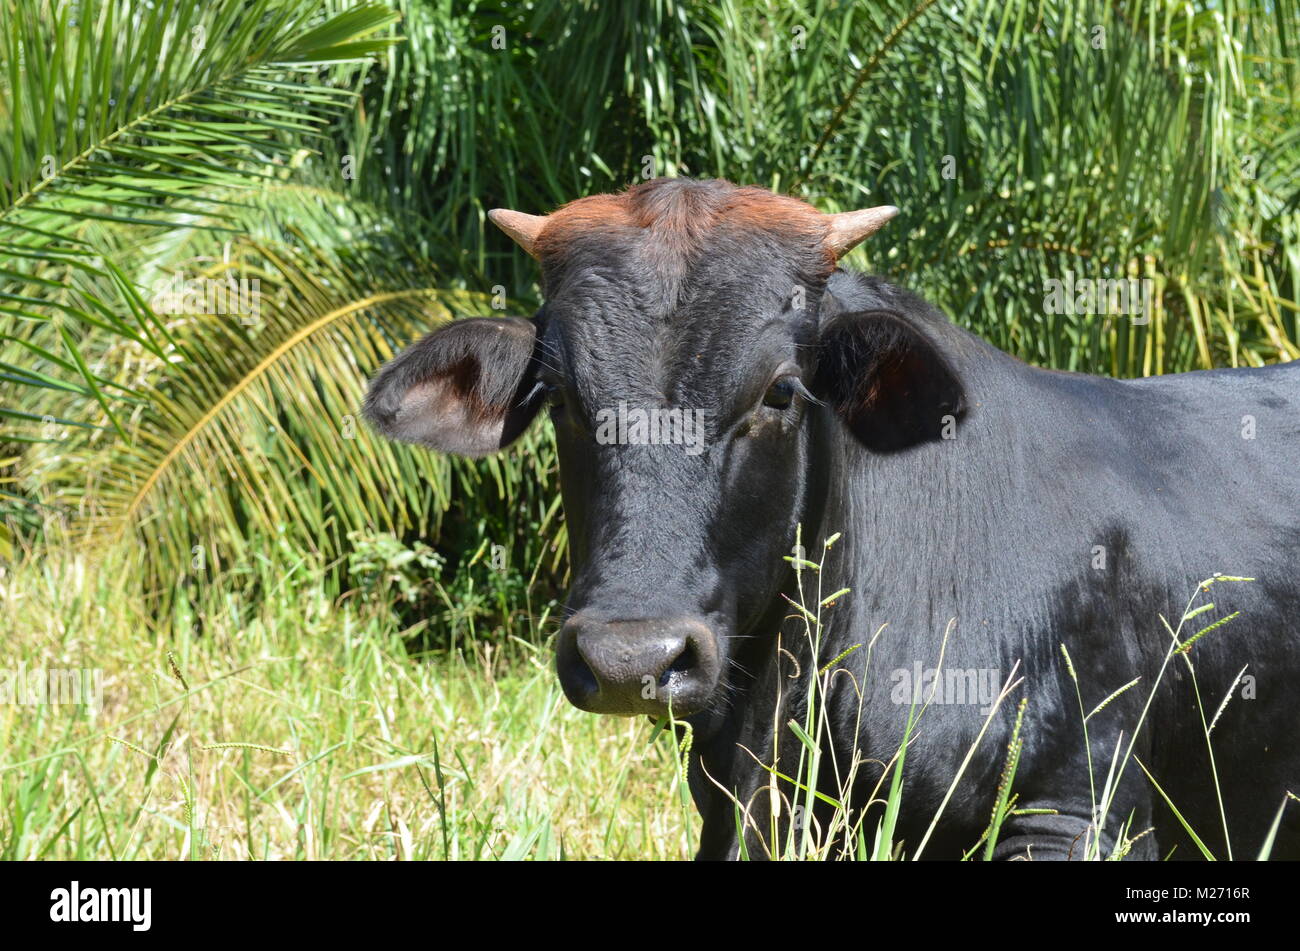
(138, 118)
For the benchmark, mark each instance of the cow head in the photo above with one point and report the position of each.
(677, 358)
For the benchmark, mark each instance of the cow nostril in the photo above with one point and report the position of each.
(585, 676)
(683, 663)
(576, 673)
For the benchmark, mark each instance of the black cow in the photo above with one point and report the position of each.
(991, 512)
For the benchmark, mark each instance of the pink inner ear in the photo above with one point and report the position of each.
(441, 414)
(458, 389)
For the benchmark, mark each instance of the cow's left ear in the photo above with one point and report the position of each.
(888, 381)
(468, 388)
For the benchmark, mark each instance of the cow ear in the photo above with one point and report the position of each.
(888, 381)
(467, 388)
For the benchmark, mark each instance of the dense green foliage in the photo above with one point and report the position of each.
(344, 155)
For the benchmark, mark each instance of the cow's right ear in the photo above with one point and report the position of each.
(467, 388)
(891, 384)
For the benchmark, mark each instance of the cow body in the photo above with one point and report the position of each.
(993, 518)
(1072, 510)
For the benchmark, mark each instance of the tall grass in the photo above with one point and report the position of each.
(303, 725)
(304, 728)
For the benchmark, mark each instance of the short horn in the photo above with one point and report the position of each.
(523, 228)
(848, 228)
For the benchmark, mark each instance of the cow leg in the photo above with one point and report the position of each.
(719, 839)
(720, 835)
(1044, 838)
(1059, 838)
(718, 842)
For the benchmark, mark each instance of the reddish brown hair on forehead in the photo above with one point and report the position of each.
(677, 214)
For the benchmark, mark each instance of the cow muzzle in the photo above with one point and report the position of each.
(627, 668)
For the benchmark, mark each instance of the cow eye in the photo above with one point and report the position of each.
(553, 394)
(781, 393)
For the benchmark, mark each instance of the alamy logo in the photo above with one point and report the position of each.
(653, 427)
(953, 685)
(40, 686)
(1124, 296)
(204, 295)
(103, 904)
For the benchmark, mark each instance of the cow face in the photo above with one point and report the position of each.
(675, 357)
